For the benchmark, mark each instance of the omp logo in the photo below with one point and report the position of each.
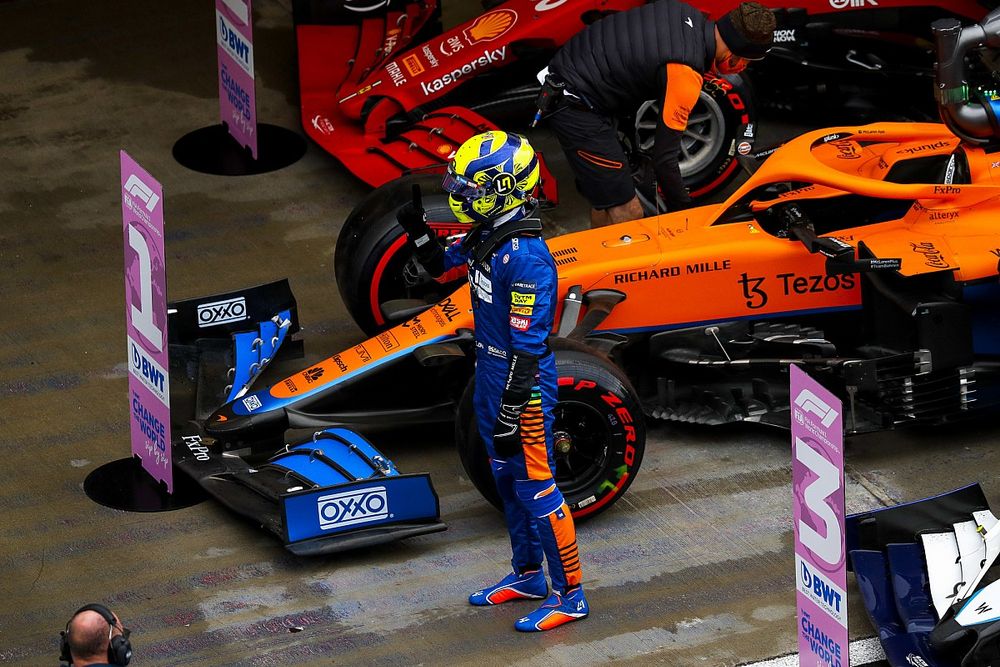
(844, 4)
(352, 507)
(810, 402)
(313, 374)
(135, 187)
(221, 312)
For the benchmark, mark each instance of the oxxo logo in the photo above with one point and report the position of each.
(352, 507)
(221, 312)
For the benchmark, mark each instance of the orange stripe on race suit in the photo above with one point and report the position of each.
(569, 554)
(536, 459)
(599, 161)
(683, 90)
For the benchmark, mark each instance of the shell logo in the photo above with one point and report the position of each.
(491, 25)
(444, 150)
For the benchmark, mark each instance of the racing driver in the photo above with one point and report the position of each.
(513, 282)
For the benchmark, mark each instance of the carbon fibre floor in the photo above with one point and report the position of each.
(693, 567)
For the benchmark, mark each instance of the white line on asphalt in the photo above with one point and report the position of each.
(863, 652)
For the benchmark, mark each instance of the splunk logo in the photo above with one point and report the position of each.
(135, 187)
(352, 507)
(221, 312)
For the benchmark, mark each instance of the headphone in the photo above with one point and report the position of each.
(119, 648)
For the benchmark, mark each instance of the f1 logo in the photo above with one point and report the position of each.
(810, 402)
(135, 187)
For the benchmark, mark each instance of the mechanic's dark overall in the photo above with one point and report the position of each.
(513, 281)
(657, 51)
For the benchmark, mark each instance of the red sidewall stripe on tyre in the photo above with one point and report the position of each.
(593, 507)
(377, 278)
(721, 178)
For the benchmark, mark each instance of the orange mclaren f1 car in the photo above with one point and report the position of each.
(867, 254)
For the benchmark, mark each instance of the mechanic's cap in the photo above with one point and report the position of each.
(748, 30)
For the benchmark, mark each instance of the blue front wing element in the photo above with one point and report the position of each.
(891, 570)
(253, 350)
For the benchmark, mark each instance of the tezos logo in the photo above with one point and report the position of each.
(352, 507)
(222, 312)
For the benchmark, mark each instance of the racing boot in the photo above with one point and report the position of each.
(528, 585)
(560, 608)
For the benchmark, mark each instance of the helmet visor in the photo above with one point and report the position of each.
(461, 186)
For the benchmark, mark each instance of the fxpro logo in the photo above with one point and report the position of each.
(221, 312)
(855, 4)
(135, 187)
(352, 507)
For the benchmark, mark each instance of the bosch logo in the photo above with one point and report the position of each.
(222, 312)
(352, 507)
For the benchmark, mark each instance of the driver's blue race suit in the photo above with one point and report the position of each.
(513, 282)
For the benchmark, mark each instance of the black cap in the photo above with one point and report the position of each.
(736, 39)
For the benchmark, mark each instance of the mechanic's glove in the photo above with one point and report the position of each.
(413, 219)
(516, 393)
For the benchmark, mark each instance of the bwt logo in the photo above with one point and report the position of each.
(810, 402)
(135, 187)
(234, 41)
(221, 312)
(352, 507)
(148, 370)
(820, 589)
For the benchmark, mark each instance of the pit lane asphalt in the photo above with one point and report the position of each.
(692, 567)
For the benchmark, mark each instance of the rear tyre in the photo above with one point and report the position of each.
(372, 251)
(599, 430)
(708, 149)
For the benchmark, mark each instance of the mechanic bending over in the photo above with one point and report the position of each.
(656, 51)
(513, 281)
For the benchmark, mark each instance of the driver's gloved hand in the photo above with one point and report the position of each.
(521, 377)
(507, 431)
(413, 219)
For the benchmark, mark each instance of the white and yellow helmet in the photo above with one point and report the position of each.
(492, 178)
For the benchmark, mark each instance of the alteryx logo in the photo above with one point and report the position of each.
(824, 593)
(352, 507)
(222, 312)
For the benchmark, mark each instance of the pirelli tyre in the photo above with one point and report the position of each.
(599, 430)
(709, 146)
(372, 252)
